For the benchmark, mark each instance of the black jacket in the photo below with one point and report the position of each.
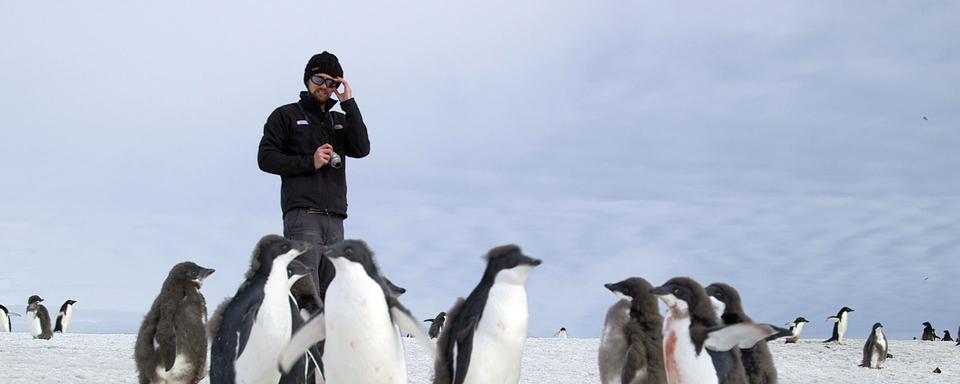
(291, 136)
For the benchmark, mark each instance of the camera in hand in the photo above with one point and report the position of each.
(335, 160)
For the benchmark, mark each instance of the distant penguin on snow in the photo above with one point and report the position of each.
(946, 336)
(875, 350)
(929, 334)
(362, 322)
(38, 319)
(692, 328)
(840, 322)
(5, 324)
(561, 334)
(796, 328)
(757, 361)
(171, 345)
(631, 347)
(484, 337)
(65, 316)
(251, 328)
(436, 324)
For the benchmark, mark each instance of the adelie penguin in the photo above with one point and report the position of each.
(757, 361)
(796, 328)
(946, 336)
(929, 334)
(696, 347)
(362, 322)
(171, 345)
(561, 334)
(631, 347)
(65, 316)
(38, 319)
(5, 324)
(436, 324)
(251, 328)
(875, 350)
(484, 336)
(840, 322)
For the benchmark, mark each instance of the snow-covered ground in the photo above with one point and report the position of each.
(87, 358)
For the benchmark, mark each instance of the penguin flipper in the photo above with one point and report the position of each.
(742, 335)
(166, 336)
(59, 326)
(833, 319)
(309, 334)
(249, 316)
(406, 322)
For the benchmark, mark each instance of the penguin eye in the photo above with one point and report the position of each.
(348, 251)
(676, 292)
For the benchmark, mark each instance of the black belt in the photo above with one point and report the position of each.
(318, 211)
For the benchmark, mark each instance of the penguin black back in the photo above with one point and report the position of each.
(64, 316)
(757, 361)
(172, 340)
(929, 333)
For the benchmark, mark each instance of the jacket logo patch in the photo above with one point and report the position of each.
(302, 122)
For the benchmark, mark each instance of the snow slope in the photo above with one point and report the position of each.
(88, 358)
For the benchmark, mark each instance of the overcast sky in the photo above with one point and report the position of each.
(780, 147)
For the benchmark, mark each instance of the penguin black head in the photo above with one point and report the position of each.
(726, 295)
(34, 299)
(876, 325)
(297, 270)
(355, 251)
(801, 320)
(270, 247)
(846, 309)
(638, 290)
(508, 264)
(70, 302)
(4, 309)
(927, 324)
(563, 329)
(189, 272)
(685, 297)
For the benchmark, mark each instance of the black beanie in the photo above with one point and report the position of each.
(324, 62)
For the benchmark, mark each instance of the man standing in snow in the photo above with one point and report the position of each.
(307, 145)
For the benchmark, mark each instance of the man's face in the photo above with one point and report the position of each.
(320, 92)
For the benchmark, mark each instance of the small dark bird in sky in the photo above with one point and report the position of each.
(925, 118)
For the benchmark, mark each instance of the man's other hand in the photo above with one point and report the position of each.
(322, 155)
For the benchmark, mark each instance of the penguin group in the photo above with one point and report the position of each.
(39, 324)
(705, 336)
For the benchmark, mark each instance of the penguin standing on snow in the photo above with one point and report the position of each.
(65, 316)
(757, 361)
(929, 334)
(38, 319)
(796, 327)
(171, 345)
(251, 328)
(436, 325)
(631, 349)
(840, 324)
(5, 324)
(483, 340)
(361, 324)
(692, 328)
(875, 349)
(561, 334)
(946, 336)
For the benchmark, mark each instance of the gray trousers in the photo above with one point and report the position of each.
(319, 230)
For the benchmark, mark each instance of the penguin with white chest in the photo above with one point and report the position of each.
(875, 349)
(796, 326)
(5, 324)
(692, 328)
(484, 337)
(840, 324)
(65, 316)
(361, 322)
(757, 360)
(38, 319)
(171, 344)
(631, 348)
(251, 328)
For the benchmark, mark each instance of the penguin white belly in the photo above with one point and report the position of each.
(270, 332)
(65, 322)
(34, 323)
(680, 357)
(499, 337)
(842, 327)
(4, 322)
(178, 373)
(798, 329)
(362, 345)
